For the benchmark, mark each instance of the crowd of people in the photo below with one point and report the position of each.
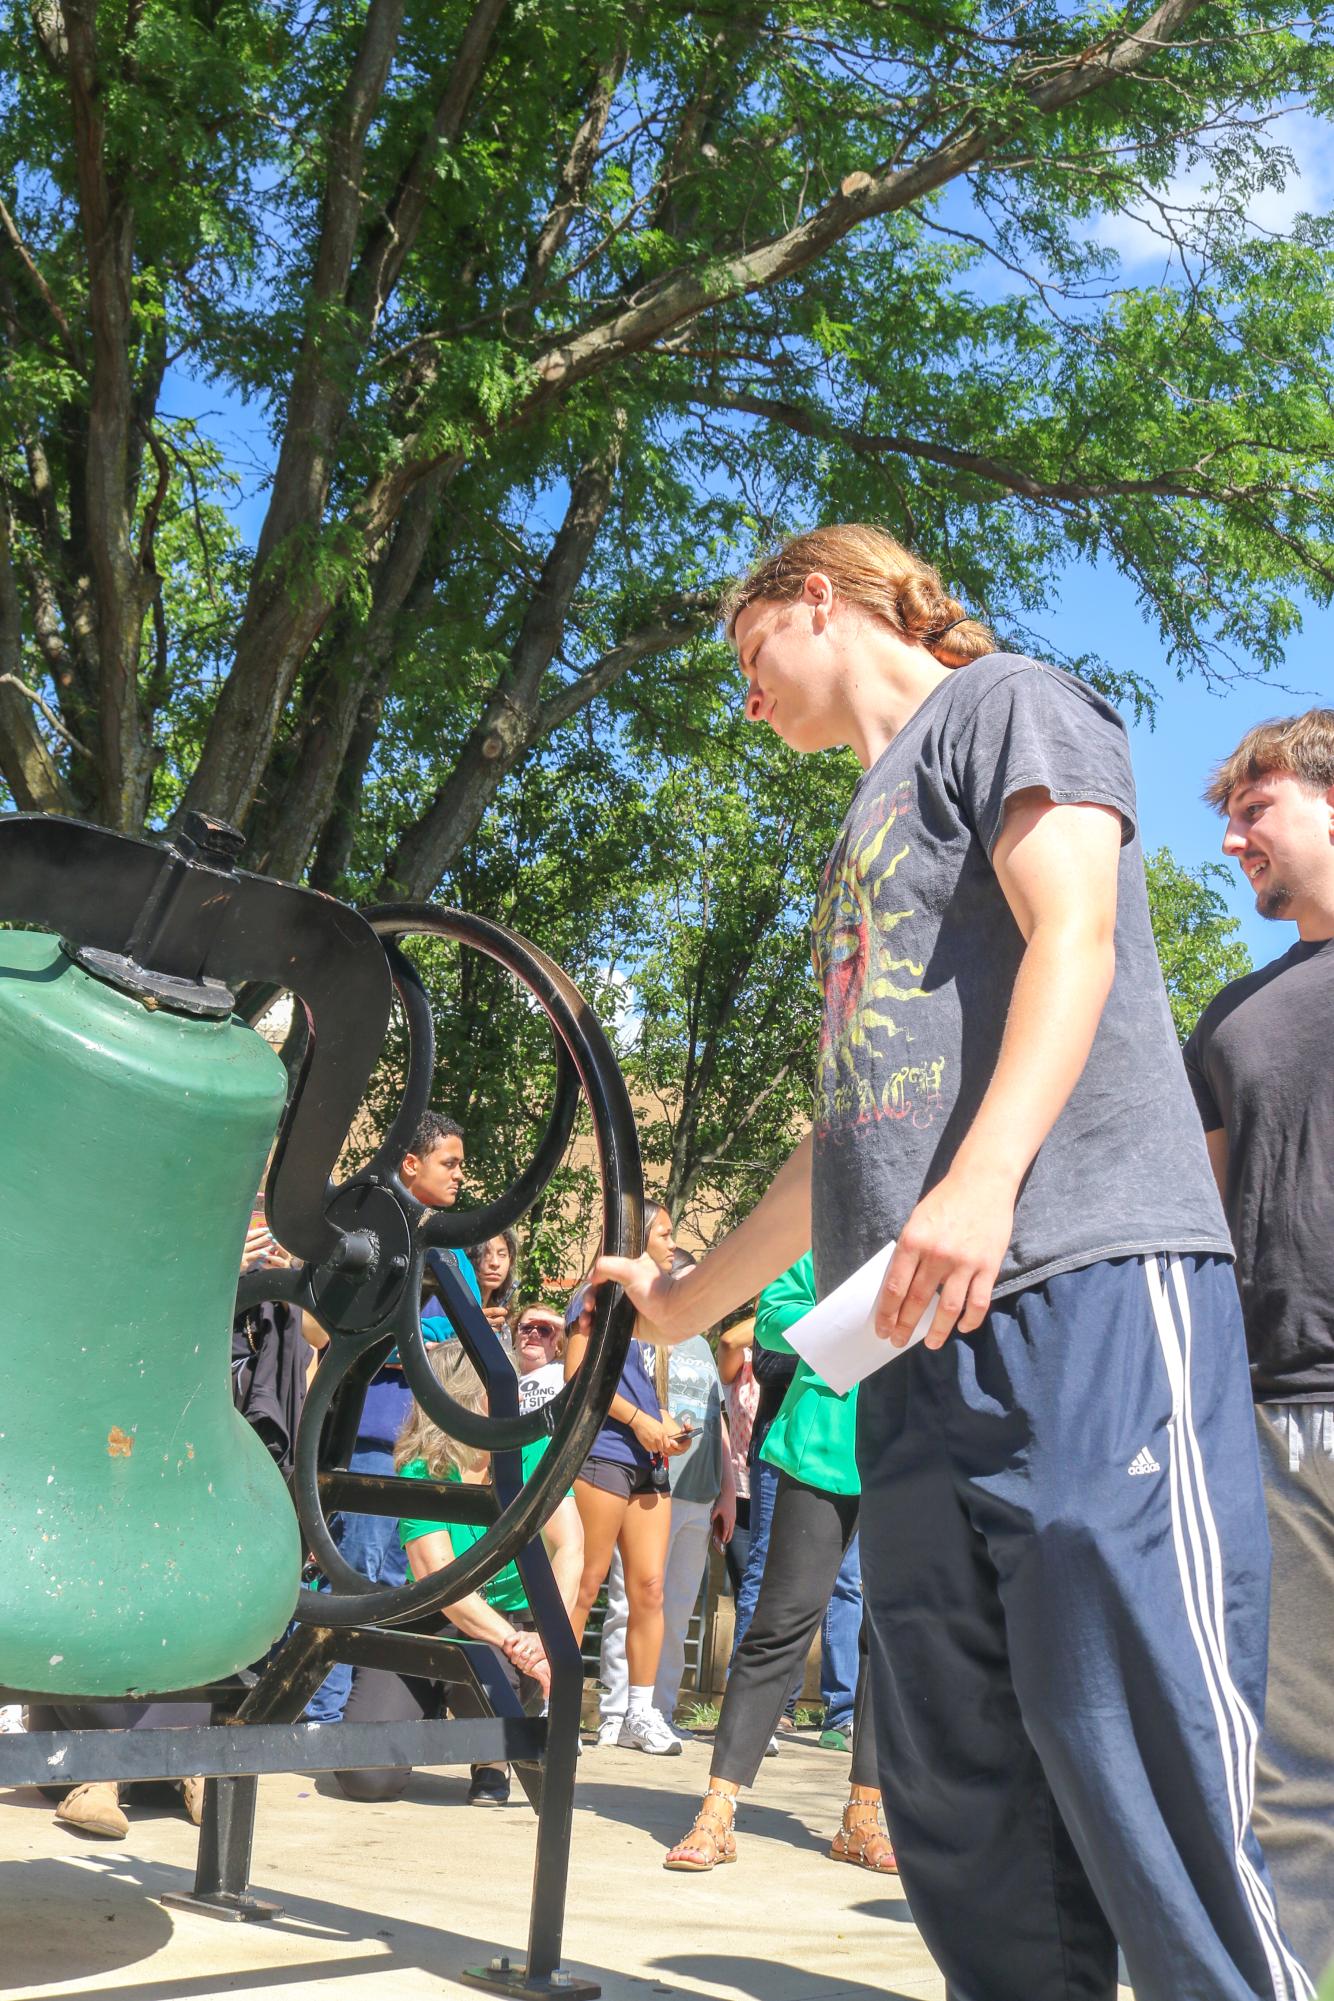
(1057, 1500)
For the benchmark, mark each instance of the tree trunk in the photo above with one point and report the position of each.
(26, 762)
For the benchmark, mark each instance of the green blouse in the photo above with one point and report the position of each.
(814, 1436)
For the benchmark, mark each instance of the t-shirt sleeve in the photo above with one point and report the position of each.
(1032, 729)
(1206, 1104)
(410, 1531)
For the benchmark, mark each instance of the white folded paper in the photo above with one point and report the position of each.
(838, 1336)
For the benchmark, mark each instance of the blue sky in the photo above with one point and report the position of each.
(1195, 724)
(1194, 727)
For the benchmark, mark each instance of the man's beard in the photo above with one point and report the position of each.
(1273, 902)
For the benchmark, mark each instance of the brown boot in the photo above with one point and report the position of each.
(192, 1794)
(94, 1809)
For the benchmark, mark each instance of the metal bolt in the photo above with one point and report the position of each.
(399, 1263)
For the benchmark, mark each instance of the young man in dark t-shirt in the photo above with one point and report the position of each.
(1261, 1064)
(1063, 1537)
(432, 1172)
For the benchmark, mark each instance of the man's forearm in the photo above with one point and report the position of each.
(773, 1236)
(1060, 991)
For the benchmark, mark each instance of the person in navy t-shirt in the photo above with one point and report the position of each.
(624, 1500)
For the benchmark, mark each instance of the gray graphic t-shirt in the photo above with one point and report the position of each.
(916, 950)
(694, 1390)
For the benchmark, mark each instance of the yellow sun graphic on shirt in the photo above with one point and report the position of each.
(868, 976)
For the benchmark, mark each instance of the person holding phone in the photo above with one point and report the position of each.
(623, 1494)
(496, 1263)
(703, 1488)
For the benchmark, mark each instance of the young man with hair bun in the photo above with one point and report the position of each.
(1064, 1550)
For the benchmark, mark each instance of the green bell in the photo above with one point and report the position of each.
(147, 1540)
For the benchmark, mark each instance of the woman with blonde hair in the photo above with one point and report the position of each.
(496, 1614)
(703, 1491)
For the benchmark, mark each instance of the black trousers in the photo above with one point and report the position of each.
(737, 1550)
(380, 1696)
(810, 1532)
(119, 1716)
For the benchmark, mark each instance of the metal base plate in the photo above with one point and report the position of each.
(242, 1910)
(505, 1976)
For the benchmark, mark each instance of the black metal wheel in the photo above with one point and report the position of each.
(372, 1307)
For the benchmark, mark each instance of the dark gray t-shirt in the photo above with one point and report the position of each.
(917, 951)
(1261, 1067)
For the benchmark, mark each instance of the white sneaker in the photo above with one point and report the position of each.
(771, 1748)
(609, 1733)
(647, 1730)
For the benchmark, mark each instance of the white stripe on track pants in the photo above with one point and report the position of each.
(1066, 1569)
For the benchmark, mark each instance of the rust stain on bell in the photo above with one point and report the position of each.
(119, 1444)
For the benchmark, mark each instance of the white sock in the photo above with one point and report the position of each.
(641, 1699)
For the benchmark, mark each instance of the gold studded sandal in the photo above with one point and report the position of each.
(862, 1840)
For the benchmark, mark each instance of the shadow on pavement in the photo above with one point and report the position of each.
(667, 1815)
(84, 1920)
(768, 1982)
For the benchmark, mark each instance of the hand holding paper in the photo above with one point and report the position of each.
(838, 1336)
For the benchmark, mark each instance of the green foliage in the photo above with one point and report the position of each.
(1198, 948)
(727, 1006)
(533, 324)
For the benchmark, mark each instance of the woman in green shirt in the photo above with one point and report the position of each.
(493, 1614)
(812, 1443)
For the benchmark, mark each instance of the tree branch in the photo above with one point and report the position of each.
(690, 614)
(285, 616)
(29, 769)
(683, 294)
(121, 590)
(9, 228)
(509, 722)
(1174, 485)
(381, 263)
(318, 394)
(576, 173)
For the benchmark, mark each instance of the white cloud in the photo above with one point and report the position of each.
(1141, 238)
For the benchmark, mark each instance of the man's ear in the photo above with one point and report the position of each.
(411, 1167)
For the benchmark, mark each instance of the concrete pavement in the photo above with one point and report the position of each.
(394, 1900)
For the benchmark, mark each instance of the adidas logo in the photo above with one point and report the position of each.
(1144, 1462)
